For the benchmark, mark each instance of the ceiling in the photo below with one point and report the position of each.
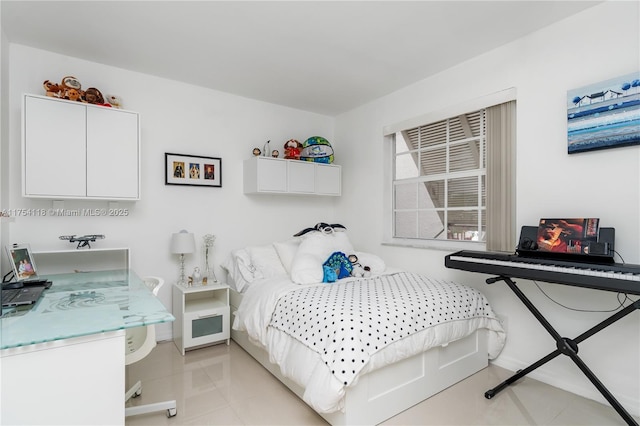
(320, 56)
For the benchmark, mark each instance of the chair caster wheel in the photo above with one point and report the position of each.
(489, 394)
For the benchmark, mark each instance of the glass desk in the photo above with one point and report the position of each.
(83, 303)
(68, 350)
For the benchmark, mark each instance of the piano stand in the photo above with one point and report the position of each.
(567, 347)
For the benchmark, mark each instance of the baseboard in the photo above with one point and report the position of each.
(161, 337)
(590, 392)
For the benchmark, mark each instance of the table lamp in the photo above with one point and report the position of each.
(182, 243)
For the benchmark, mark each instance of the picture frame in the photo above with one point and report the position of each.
(22, 263)
(604, 115)
(192, 170)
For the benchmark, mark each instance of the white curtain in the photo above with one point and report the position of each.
(501, 164)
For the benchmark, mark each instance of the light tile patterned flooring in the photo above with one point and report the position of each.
(223, 385)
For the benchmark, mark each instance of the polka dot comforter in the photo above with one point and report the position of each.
(323, 336)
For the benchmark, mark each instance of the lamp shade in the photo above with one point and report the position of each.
(183, 242)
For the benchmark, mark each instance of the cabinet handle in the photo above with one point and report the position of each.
(209, 316)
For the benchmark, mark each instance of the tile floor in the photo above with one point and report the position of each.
(223, 385)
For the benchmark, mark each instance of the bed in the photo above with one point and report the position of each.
(359, 349)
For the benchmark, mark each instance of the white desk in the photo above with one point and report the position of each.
(62, 362)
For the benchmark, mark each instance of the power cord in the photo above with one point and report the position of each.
(622, 299)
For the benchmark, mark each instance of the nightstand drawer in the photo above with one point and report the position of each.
(206, 326)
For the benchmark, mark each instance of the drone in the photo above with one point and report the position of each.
(83, 241)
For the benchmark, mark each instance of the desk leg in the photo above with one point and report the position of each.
(567, 347)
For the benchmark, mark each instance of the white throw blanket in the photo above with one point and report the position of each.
(324, 336)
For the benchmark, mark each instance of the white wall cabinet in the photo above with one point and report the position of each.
(82, 151)
(279, 176)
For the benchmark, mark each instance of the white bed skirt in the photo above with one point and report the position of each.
(385, 392)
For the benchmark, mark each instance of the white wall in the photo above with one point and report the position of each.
(542, 67)
(178, 118)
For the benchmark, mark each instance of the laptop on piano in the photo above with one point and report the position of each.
(27, 287)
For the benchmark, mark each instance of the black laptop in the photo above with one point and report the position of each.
(27, 287)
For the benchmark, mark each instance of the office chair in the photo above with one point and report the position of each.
(139, 343)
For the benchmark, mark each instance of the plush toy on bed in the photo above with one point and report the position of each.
(358, 270)
(336, 267)
(317, 244)
(322, 227)
(316, 247)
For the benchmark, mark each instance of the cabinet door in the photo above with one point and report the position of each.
(301, 177)
(54, 148)
(328, 180)
(113, 157)
(272, 175)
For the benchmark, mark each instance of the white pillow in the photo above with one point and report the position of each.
(240, 269)
(373, 261)
(266, 261)
(287, 251)
(314, 250)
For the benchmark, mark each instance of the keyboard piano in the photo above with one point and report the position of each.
(620, 277)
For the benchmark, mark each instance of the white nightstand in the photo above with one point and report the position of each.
(202, 315)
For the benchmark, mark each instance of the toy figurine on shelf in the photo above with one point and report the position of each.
(266, 150)
(114, 100)
(292, 149)
(196, 277)
(256, 152)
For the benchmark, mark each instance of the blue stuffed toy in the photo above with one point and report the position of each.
(336, 267)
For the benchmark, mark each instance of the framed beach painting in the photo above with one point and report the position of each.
(604, 115)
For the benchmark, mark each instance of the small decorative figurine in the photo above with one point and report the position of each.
(275, 153)
(257, 152)
(196, 277)
(266, 150)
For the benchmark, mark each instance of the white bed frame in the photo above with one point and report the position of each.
(383, 393)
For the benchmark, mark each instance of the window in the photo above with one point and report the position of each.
(452, 176)
(440, 180)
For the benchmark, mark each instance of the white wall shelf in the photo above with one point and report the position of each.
(266, 175)
(81, 260)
